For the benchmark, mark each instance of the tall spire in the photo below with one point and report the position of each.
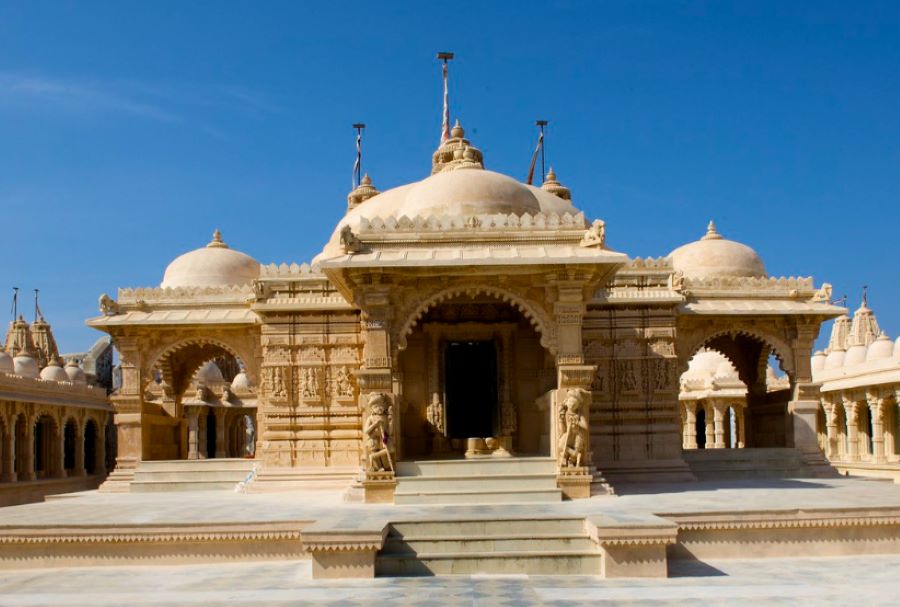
(445, 57)
(840, 330)
(864, 328)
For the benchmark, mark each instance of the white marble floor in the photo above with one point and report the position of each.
(856, 581)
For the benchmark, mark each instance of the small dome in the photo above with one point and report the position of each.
(713, 256)
(26, 366)
(241, 382)
(209, 373)
(75, 373)
(707, 364)
(897, 348)
(818, 361)
(835, 358)
(215, 265)
(6, 363)
(54, 372)
(855, 355)
(882, 347)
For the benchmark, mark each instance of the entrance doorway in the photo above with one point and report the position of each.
(471, 388)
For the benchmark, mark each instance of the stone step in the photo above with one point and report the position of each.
(480, 466)
(563, 562)
(509, 527)
(172, 486)
(196, 464)
(191, 475)
(514, 496)
(397, 545)
(476, 482)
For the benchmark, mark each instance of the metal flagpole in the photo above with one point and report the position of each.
(445, 122)
(36, 308)
(15, 303)
(542, 124)
(357, 166)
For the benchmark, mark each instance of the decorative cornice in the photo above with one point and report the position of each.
(145, 295)
(472, 223)
(802, 285)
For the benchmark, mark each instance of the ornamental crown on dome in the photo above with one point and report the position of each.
(361, 193)
(555, 187)
(456, 153)
(216, 242)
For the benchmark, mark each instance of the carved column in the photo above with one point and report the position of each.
(193, 432)
(709, 428)
(740, 425)
(8, 472)
(202, 419)
(851, 411)
(25, 451)
(100, 447)
(831, 430)
(718, 425)
(79, 452)
(876, 410)
(128, 404)
(689, 438)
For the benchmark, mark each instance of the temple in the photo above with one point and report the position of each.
(465, 318)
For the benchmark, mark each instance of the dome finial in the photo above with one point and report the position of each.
(457, 132)
(711, 233)
(216, 242)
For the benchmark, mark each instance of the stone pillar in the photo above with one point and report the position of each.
(100, 447)
(876, 410)
(193, 432)
(851, 411)
(740, 425)
(128, 403)
(79, 452)
(221, 443)
(689, 438)
(710, 428)
(831, 430)
(804, 411)
(8, 471)
(718, 425)
(26, 451)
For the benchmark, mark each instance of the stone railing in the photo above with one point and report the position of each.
(74, 393)
(141, 295)
(283, 269)
(804, 285)
(487, 222)
(648, 263)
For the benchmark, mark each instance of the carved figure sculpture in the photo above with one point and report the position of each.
(573, 437)
(310, 384)
(435, 414)
(823, 295)
(595, 236)
(376, 431)
(201, 394)
(108, 305)
(349, 241)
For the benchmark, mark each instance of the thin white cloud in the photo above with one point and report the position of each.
(161, 102)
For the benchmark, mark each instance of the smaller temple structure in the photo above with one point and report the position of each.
(859, 372)
(55, 426)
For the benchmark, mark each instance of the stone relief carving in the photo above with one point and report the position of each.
(573, 438)
(349, 241)
(342, 387)
(376, 430)
(274, 382)
(309, 384)
(628, 380)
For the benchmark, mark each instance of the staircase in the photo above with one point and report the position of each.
(494, 546)
(488, 480)
(190, 475)
(738, 464)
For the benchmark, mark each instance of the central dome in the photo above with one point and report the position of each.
(713, 257)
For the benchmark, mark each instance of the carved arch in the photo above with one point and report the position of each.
(162, 357)
(539, 319)
(782, 350)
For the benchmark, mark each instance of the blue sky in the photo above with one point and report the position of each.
(130, 130)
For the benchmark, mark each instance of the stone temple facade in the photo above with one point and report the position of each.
(466, 315)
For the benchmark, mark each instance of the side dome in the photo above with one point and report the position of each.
(818, 361)
(856, 354)
(75, 373)
(209, 373)
(215, 265)
(241, 382)
(54, 372)
(26, 366)
(6, 363)
(882, 347)
(835, 358)
(714, 257)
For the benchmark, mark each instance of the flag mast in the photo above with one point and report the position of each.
(445, 57)
(541, 124)
(357, 166)
(538, 148)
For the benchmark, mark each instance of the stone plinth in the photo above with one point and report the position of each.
(632, 548)
(341, 552)
(575, 483)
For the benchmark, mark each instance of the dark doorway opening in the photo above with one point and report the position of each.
(210, 434)
(701, 428)
(471, 386)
